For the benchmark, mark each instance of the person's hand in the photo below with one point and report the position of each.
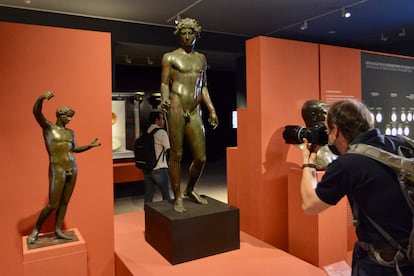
(309, 152)
(213, 120)
(95, 143)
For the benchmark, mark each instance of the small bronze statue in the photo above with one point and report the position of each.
(314, 112)
(183, 87)
(63, 170)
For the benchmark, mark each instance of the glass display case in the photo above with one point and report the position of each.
(125, 123)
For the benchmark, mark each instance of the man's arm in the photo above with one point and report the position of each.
(37, 109)
(311, 204)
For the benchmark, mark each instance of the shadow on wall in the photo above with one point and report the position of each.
(275, 183)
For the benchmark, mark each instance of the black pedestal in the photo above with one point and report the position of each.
(201, 231)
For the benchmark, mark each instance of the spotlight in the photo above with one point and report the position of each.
(139, 96)
(383, 37)
(155, 100)
(304, 25)
(402, 33)
(177, 19)
(346, 13)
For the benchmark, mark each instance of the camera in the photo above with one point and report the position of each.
(316, 135)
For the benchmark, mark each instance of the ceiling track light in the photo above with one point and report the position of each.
(177, 19)
(304, 26)
(383, 37)
(402, 33)
(345, 13)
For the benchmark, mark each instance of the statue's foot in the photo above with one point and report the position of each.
(179, 205)
(32, 238)
(59, 235)
(196, 197)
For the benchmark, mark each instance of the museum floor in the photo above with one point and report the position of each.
(134, 256)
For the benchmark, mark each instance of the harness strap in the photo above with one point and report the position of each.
(159, 156)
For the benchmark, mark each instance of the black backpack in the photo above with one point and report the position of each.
(144, 151)
(403, 165)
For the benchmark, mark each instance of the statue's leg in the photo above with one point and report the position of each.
(56, 178)
(44, 214)
(195, 133)
(66, 195)
(176, 135)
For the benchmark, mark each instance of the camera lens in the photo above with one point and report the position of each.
(316, 135)
(294, 134)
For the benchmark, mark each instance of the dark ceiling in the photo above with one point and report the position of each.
(378, 25)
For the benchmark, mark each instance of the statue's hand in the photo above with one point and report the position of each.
(213, 120)
(48, 95)
(187, 116)
(165, 105)
(95, 143)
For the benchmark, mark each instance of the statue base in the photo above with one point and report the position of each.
(48, 239)
(201, 231)
(51, 256)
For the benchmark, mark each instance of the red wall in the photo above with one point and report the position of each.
(340, 72)
(76, 65)
(282, 74)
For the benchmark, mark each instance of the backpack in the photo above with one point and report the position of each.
(144, 151)
(403, 165)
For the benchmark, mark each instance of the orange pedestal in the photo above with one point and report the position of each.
(319, 239)
(63, 259)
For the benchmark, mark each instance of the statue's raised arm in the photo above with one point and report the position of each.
(37, 109)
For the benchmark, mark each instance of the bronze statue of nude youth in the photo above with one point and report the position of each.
(63, 170)
(183, 88)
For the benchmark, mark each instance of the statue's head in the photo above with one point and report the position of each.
(65, 111)
(314, 111)
(188, 23)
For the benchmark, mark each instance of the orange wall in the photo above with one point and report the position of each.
(76, 65)
(340, 72)
(282, 74)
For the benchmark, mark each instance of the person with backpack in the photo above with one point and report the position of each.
(371, 187)
(158, 175)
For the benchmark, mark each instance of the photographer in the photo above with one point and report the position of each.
(371, 188)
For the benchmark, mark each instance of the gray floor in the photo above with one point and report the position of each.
(129, 196)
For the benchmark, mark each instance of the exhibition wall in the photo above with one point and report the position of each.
(76, 66)
(281, 76)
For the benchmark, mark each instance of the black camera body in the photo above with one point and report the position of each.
(315, 135)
